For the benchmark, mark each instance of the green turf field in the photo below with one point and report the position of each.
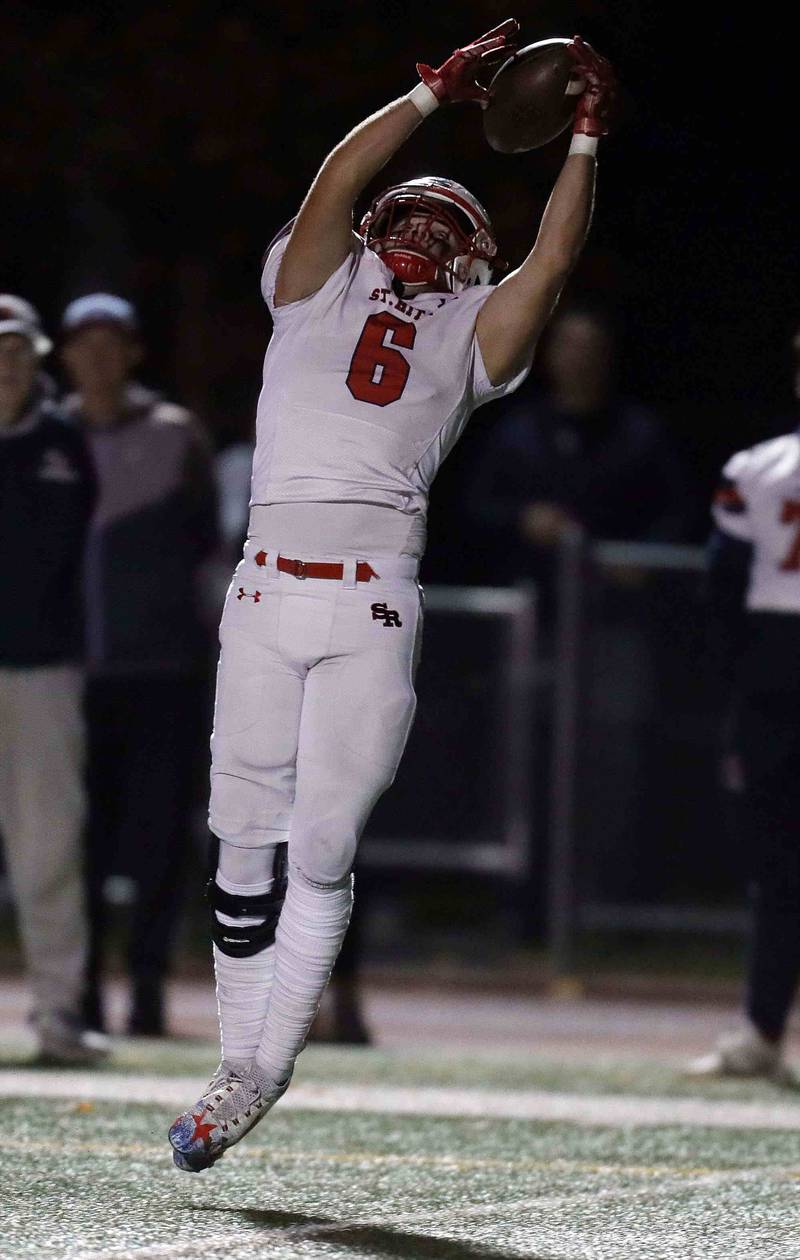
(94, 1179)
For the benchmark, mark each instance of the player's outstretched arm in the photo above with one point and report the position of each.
(511, 320)
(321, 237)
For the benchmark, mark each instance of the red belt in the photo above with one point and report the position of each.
(318, 569)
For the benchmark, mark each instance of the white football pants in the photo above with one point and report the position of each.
(315, 700)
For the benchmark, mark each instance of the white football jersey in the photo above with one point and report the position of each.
(364, 394)
(759, 502)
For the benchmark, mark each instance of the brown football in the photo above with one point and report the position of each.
(533, 97)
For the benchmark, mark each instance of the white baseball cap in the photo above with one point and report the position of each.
(99, 308)
(18, 316)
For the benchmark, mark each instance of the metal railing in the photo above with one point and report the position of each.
(568, 913)
(507, 851)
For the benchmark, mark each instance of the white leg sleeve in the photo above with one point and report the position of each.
(312, 926)
(243, 989)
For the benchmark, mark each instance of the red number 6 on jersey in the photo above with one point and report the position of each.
(378, 373)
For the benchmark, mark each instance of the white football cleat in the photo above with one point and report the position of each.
(744, 1053)
(231, 1106)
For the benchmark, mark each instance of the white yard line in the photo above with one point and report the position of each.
(606, 1109)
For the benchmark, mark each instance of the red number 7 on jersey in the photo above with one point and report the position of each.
(790, 515)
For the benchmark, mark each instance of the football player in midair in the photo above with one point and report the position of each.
(385, 340)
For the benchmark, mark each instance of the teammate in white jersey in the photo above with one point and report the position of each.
(385, 340)
(755, 589)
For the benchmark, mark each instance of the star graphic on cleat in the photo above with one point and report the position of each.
(201, 1130)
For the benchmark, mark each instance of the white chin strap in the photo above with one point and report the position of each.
(475, 271)
(480, 272)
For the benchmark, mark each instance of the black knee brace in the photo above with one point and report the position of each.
(246, 940)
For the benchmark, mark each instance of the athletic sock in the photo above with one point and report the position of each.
(310, 932)
(243, 986)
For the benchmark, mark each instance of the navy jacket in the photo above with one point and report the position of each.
(615, 472)
(47, 494)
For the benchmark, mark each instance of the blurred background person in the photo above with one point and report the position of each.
(154, 525)
(571, 449)
(572, 456)
(754, 591)
(47, 492)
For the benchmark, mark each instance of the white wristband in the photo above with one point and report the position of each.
(584, 144)
(423, 99)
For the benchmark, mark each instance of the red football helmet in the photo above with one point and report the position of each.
(432, 233)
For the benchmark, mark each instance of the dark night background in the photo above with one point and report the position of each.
(155, 150)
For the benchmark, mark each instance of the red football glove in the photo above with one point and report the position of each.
(456, 79)
(595, 103)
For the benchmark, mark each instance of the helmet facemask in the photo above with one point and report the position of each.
(428, 241)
